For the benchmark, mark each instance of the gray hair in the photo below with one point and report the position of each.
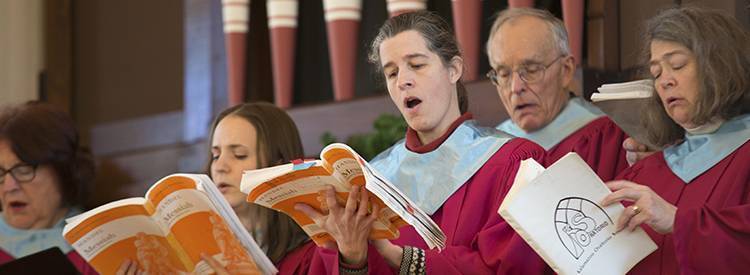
(721, 47)
(556, 26)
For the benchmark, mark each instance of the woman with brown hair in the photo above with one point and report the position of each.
(694, 196)
(253, 136)
(45, 176)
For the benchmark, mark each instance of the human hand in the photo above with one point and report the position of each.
(635, 151)
(648, 207)
(129, 267)
(349, 226)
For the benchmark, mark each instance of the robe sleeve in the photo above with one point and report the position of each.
(496, 249)
(713, 240)
(600, 145)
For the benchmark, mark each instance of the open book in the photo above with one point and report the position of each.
(181, 216)
(281, 187)
(623, 103)
(557, 212)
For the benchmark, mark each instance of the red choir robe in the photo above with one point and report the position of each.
(478, 240)
(712, 225)
(298, 260)
(599, 143)
(582, 128)
(80, 264)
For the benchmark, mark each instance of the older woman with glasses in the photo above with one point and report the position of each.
(693, 197)
(532, 67)
(44, 177)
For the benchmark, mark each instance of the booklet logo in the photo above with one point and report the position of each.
(577, 222)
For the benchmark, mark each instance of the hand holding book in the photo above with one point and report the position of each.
(283, 187)
(350, 226)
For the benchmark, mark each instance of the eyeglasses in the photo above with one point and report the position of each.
(529, 73)
(20, 172)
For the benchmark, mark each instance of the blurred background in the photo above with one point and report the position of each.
(143, 79)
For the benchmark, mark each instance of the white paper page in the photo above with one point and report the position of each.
(560, 211)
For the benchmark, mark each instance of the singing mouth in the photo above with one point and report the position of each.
(524, 106)
(411, 102)
(17, 205)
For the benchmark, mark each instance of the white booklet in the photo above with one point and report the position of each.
(623, 103)
(557, 212)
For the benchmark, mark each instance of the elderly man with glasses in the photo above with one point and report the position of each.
(532, 68)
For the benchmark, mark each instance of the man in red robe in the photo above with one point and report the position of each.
(532, 68)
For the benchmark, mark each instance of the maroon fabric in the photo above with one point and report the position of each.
(5, 257)
(73, 256)
(298, 261)
(415, 145)
(479, 241)
(599, 143)
(712, 225)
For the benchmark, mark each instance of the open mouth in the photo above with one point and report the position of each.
(411, 102)
(520, 107)
(223, 187)
(17, 205)
(671, 100)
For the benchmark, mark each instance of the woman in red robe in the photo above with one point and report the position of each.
(454, 170)
(694, 196)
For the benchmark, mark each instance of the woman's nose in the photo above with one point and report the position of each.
(405, 80)
(9, 183)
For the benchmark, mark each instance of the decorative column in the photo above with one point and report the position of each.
(282, 25)
(520, 3)
(396, 7)
(467, 15)
(573, 18)
(342, 23)
(236, 15)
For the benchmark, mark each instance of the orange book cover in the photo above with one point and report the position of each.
(165, 232)
(281, 187)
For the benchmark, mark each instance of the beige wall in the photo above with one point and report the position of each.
(128, 59)
(21, 50)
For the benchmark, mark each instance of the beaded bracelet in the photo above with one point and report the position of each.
(412, 261)
(350, 270)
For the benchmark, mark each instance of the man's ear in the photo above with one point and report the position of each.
(456, 69)
(568, 65)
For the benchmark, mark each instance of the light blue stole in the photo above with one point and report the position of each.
(19, 243)
(576, 114)
(698, 153)
(429, 179)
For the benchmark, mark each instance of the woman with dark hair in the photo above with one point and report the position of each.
(454, 170)
(694, 196)
(45, 176)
